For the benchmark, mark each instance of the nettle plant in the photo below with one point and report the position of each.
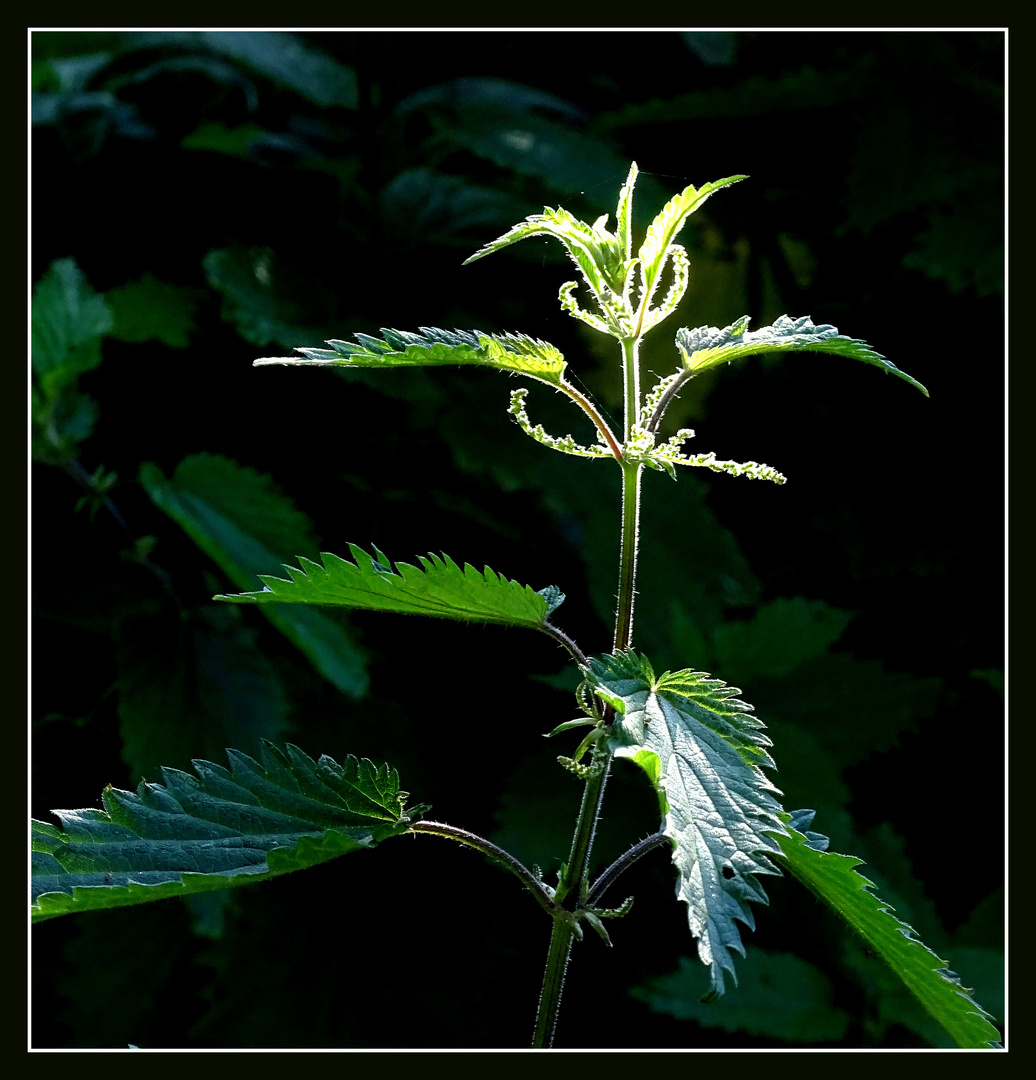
(696, 740)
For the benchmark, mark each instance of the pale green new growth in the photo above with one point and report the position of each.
(658, 242)
(606, 262)
(703, 750)
(564, 444)
(439, 587)
(641, 448)
(835, 880)
(221, 828)
(603, 257)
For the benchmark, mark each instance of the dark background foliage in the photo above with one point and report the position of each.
(236, 195)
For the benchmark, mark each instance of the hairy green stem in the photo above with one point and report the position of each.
(628, 555)
(561, 940)
(666, 399)
(621, 865)
(563, 639)
(598, 420)
(630, 500)
(630, 383)
(572, 883)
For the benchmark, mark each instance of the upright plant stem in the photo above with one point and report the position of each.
(628, 555)
(573, 881)
(561, 939)
(630, 500)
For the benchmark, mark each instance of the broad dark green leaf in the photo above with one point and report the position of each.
(220, 828)
(438, 587)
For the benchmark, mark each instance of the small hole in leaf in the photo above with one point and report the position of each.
(729, 872)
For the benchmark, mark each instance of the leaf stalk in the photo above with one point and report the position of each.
(450, 832)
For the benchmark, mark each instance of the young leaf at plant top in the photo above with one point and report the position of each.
(702, 750)
(225, 827)
(835, 880)
(658, 242)
(439, 587)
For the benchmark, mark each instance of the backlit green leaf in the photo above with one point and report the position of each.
(438, 587)
(513, 353)
(718, 807)
(667, 224)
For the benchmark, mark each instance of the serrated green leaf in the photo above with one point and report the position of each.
(514, 353)
(221, 828)
(68, 321)
(835, 880)
(438, 587)
(718, 807)
(707, 346)
(240, 519)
